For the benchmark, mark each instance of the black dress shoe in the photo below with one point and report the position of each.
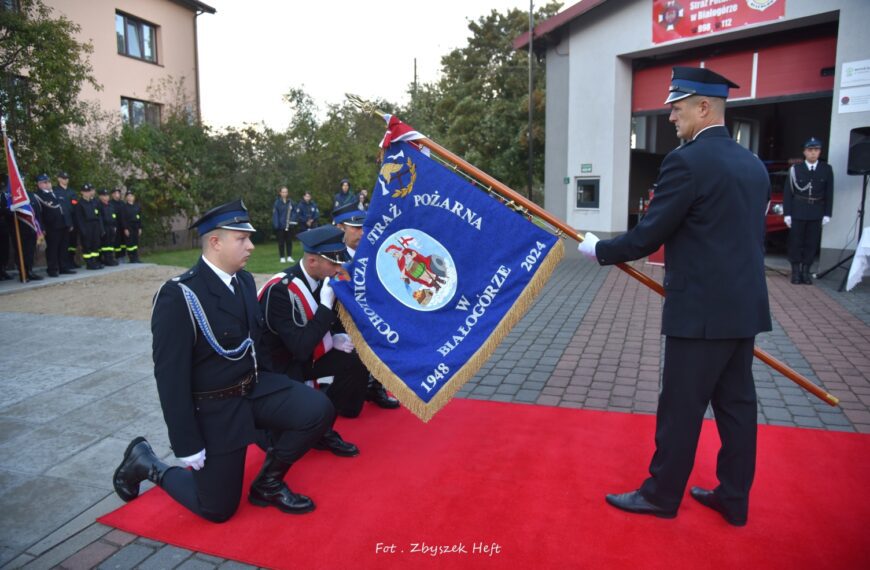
(139, 463)
(35, 277)
(4, 276)
(67, 272)
(378, 394)
(635, 503)
(331, 441)
(709, 499)
(53, 274)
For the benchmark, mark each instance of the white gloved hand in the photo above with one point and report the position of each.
(327, 295)
(826, 219)
(195, 461)
(342, 342)
(587, 246)
(787, 220)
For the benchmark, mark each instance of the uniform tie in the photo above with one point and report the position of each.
(235, 284)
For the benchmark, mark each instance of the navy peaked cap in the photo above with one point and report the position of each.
(43, 178)
(325, 241)
(813, 142)
(349, 215)
(230, 216)
(688, 81)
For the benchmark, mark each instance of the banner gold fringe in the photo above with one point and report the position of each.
(405, 395)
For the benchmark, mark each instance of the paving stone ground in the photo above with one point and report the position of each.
(591, 341)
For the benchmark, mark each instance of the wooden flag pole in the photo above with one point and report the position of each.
(568, 231)
(22, 273)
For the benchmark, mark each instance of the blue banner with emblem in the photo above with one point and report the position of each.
(443, 272)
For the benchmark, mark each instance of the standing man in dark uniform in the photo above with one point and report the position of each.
(90, 227)
(118, 209)
(349, 219)
(807, 205)
(298, 304)
(5, 223)
(131, 221)
(708, 211)
(206, 326)
(110, 228)
(53, 225)
(69, 199)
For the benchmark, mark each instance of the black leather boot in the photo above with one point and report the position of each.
(805, 275)
(269, 489)
(108, 258)
(332, 441)
(139, 463)
(795, 274)
(378, 394)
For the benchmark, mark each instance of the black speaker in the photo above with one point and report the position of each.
(859, 151)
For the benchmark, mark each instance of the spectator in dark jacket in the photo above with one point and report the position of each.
(282, 222)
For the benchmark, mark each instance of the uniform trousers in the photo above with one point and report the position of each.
(54, 249)
(803, 240)
(698, 372)
(349, 384)
(296, 416)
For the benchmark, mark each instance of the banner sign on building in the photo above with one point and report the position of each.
(683, 19)
(443, 272)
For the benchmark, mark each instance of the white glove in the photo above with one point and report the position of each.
(196, 461)
(826, 219)
(787, 220)
(327, 295)
(587, 246)
(342, 342)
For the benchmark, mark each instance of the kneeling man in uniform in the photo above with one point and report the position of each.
(206, 325)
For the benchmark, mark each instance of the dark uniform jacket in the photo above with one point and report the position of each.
(87, 215)
(342, 199)
(305, 211)
(52, 211)
(290, 346)
(118, 210)
(131, 217)
(184, 362)
(812, 197)
(108, 216)
(708, 211)
(68, 201)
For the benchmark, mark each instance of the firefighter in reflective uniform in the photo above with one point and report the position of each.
(90, 227)
(110, 228)
(131, 221)
(120, 248)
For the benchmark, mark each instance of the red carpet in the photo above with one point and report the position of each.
(531, 480)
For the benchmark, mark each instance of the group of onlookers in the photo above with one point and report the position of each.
(289, 218)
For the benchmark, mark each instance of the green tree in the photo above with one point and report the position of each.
(479, 107)
(42, 70)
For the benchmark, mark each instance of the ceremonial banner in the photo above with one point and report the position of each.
(682, 19)
(19, 202)
(443, 272)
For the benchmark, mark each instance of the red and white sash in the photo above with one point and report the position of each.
(297, 288)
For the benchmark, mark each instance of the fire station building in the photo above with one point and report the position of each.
(803, 67)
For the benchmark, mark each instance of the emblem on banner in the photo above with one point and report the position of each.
(760, 5)
(417, 270)
(671, 15)
(398, 177)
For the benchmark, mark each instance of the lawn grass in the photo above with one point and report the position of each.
(264, 258)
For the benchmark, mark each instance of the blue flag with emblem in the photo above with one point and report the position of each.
(443, 272)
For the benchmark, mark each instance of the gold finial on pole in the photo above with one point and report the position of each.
(363, 105)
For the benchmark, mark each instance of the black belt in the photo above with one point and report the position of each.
(243, 388)
(808, 199)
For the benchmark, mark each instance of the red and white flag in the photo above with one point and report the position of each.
(19, 202)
